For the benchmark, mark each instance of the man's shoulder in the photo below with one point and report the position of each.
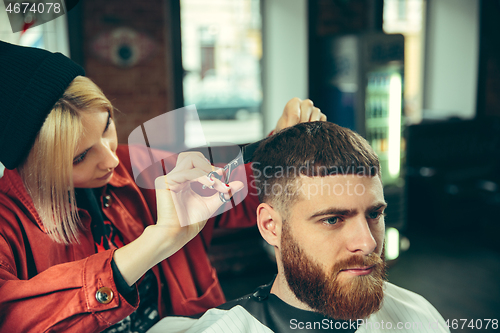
(279, 316)
(236, 319)
(408, 302)
(400, 294)
(407, 309)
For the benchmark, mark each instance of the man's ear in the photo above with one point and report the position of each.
(269, 223)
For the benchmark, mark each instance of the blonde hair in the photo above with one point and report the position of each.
(47, 172)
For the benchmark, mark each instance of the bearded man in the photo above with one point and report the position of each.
(322, 209)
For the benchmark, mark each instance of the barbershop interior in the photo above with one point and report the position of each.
(418, 79)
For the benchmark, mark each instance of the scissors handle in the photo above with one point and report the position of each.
(226, 173)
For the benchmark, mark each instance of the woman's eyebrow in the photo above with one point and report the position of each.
(105, 129)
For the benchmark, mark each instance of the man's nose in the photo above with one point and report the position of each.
(359, 238)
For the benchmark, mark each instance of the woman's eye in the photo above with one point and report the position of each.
(332, 220)
(80, 158)
(107, 125)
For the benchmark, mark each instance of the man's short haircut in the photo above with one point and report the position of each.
(308, 149)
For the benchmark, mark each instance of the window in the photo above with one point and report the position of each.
(51, 35)
(221, 56)
(406, 17)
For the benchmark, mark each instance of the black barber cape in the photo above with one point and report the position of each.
(280, 317)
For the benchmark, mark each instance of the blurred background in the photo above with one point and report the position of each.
(419, 79)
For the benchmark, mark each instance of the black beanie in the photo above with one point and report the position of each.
(31, 81)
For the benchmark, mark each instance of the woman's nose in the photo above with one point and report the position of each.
(109, 159)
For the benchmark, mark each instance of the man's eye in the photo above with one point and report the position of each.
(374, 215)
(332, 220)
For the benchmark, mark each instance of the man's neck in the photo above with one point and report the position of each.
(281, 289)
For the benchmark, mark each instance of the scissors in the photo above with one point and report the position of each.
(226, 175)
(244, 157)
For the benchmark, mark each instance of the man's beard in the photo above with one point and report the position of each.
(354, 298)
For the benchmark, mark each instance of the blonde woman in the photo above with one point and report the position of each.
(82, 247)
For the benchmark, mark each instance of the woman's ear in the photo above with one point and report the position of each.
(269, 223)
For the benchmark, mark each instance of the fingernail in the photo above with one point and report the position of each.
(227, 185)
(209, 178)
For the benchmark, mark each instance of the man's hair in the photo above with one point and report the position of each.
(314, 149)
(47, 172)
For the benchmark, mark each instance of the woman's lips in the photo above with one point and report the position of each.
(106, 176)
(359, 270)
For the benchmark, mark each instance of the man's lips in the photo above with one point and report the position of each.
(359, 270)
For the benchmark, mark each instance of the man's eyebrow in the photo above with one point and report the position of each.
(377, 206)
(347, 212)
(334, 211)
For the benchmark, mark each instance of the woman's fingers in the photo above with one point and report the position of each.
(228, 191)
(233, 187)
(165, 205)
(193, 167)
(291, 113)
(191, 160)
(299, 111)
(183, 170)
(181, 204)
(308, 112)
(306, 109)
(183, 177)
(221, 187)
(316, 114)
(188, 154)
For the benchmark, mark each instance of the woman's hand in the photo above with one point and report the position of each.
(182, 209)
(299, 111)
(182, 214)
